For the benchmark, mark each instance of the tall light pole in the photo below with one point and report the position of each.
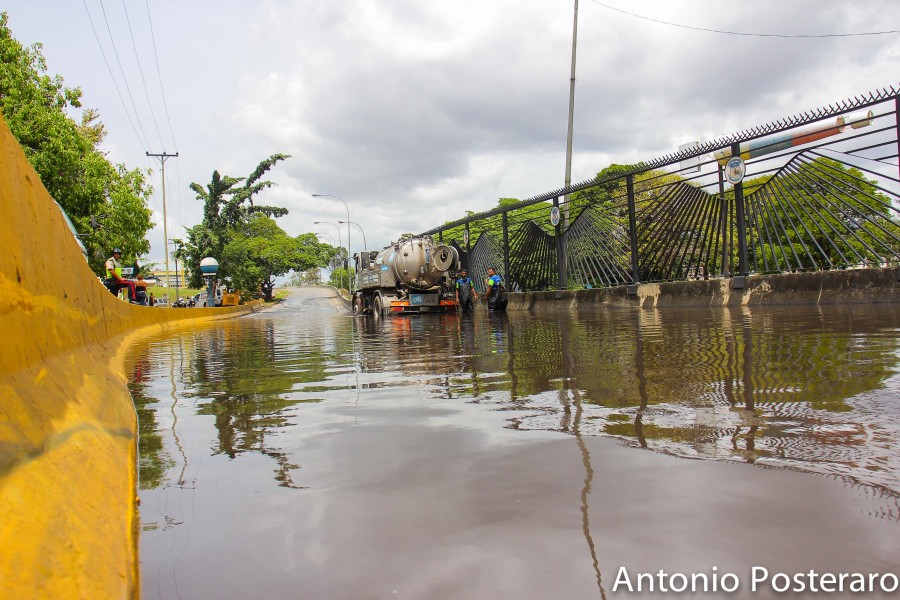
(365, 245)
(349, 253)
(162, 160)
(340, 243)
(178, 245)
(571, 117)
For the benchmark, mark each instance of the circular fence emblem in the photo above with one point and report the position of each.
(554, 216)
(735, 169)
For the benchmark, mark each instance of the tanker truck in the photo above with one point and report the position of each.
(411, 276)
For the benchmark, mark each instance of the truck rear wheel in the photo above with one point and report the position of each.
(378, 305)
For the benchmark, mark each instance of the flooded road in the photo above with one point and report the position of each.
(304, 453)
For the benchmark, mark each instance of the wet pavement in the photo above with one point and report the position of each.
(305, 453)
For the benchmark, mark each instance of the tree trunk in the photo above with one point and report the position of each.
(266, 288)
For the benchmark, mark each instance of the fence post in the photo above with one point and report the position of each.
(560, 254)
(440, 236)
(897, 125)
(725, 269)
(743, 269)
(468, 241)
(506, 273)
(632, 231)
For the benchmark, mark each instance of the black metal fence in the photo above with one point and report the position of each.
(815, 191)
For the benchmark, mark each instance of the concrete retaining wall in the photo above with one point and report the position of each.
(67, 423)
(852, 286)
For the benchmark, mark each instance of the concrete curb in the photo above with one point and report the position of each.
(851, 286)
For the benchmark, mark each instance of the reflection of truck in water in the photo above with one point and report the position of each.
(411, 276)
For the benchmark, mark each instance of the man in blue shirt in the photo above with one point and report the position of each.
(495, 290)
(465, 292)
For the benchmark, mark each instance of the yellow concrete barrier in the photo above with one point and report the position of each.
(67, 425)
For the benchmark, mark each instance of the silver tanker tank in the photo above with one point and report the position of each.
(418, 262)
(413, 275)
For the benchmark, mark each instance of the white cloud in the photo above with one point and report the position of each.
(414, 112)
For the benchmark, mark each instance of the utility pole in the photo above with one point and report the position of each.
(571, 120)
(162, 160)
(178, 245)
(561, 242)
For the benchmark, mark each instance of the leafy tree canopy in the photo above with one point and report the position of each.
(227, 206)
(260, 251)
(65, 153)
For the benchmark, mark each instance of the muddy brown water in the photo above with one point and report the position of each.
(304, 453)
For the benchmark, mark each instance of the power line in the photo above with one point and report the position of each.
(742, 33)
(141, 141)
(141, 71)
(159, 74)
(122, 71)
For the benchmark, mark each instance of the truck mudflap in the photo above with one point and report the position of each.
(406, 307)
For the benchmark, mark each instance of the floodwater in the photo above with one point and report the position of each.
(304, 453)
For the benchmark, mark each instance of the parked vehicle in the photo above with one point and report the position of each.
(412, 276)
(201, 302)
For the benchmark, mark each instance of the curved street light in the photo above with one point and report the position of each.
(349, 252)
(333, 224)
(365, 245)
(333, 242)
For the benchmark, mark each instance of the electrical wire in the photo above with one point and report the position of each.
(169, 122)
(141, 71)
(159, 74)
(143, 144)
(742, 33)
(122, 71)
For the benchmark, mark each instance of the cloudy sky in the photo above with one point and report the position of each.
(414, 111)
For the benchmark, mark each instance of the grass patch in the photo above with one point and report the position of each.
(279, 295)
(158, 291)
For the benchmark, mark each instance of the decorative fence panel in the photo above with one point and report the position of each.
(819, 190)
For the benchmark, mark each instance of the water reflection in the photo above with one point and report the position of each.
(779, 387)
(363, 414)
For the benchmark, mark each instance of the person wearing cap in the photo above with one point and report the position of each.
(114, 281)
(465, 292)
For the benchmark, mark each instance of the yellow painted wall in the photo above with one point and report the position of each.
(67, 424)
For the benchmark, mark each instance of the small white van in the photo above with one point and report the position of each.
(201, 298)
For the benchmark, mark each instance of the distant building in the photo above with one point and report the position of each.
(171, 278)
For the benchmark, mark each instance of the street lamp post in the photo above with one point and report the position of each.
(349, 253)
(365, 245)
(340, 242)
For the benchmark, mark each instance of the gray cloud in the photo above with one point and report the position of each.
(414, 112)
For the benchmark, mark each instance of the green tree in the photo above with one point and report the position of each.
(260, 251)
(226, 206)
(492, 225)
(66, 155)
(341, 277)
(312, 276)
